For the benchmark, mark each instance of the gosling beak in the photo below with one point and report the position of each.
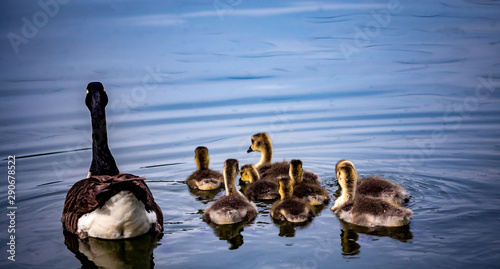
(250, 149)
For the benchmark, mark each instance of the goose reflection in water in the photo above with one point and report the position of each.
(135, 252)
(349, 236)
(230, 232)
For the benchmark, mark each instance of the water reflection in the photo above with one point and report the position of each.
(348, 242)
(349, 236)
(287, 229)
(318, 208)
(98, 253)
(205, 196)
(230, 232)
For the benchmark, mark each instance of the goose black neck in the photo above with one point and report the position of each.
(103, 162)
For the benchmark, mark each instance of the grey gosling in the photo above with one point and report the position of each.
(204, 178)
(232, 207)
(290, 208)
(365, 210)
(258, 189)
(261, 142)
(309, 192)
(375, 186)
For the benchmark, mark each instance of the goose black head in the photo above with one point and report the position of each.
(96, 95)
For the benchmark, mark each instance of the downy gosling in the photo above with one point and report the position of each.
(261, 142)
(365, 210)
(234, 206)
(204, 178)
(290, 208)
(312, 193)
(258, 189)
(375, 186)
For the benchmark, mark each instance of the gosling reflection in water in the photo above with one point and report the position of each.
(135, 252)
(287, 229)
(204, 196)
(349, 236)
(348, 242)
(230, 232)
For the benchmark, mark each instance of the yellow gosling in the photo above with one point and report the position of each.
(258, 189)
(290, 208)
(204, 178)
(261, 142)
(309, 192)
(232, 207)
(365, 210)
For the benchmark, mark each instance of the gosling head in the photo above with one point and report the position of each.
(296, 171)
(248, 173)
(260, 142)
(286, 188)
(96, 96)
(230, 172)
(346, 175)
(201, 158)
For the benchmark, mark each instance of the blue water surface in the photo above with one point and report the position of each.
(409, 90)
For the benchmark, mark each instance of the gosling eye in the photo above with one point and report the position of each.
(258, 143)
(253, 141)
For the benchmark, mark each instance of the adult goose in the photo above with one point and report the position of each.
(108, 204)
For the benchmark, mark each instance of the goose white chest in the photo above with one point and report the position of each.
(122, 216)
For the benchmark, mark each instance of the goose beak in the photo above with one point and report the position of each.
(250, 149)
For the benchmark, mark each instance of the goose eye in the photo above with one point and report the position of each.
(258, 143)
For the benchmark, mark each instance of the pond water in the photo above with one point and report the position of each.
(409, 90)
